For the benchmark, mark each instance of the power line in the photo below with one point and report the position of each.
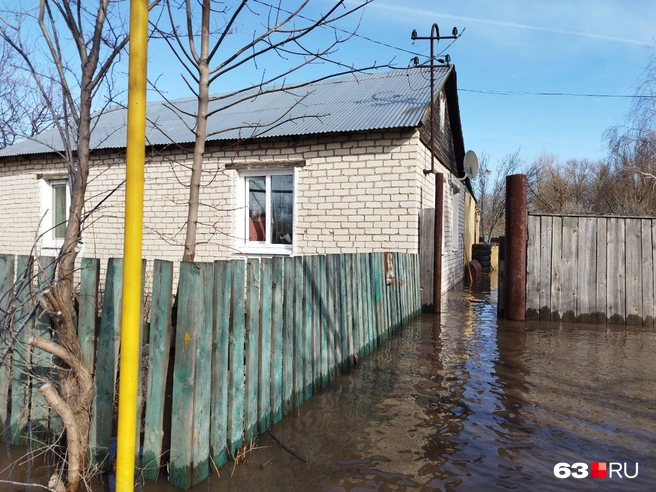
(556, 94)
(345, 31)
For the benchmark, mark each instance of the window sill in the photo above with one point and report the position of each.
(51, 249)
(265, 251)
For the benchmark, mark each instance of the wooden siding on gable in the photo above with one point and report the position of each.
(442, 136)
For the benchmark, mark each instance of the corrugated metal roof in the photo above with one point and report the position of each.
(381, 100)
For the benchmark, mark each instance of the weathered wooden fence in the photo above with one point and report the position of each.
(591, 269)
(251, 341)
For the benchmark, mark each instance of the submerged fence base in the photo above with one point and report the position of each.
(252, 340)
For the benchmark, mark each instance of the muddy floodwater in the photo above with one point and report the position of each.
(462, 402)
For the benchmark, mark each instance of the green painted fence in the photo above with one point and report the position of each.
(250, 341)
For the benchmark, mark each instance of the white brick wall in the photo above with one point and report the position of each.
(356, 192)
(452, 259)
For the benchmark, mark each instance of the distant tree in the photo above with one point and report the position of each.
(632, 150)
(23, 111)
(572, 187)
(490, 191)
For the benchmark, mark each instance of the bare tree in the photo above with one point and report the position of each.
(78, 45)
(283, 43)
(23, 113)
(632, 147)
(490, 190)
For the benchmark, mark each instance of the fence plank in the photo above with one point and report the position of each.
(266, 309)
(533, 268)
(299, 341)
(323, 301)
(404, 285)
(379, 272)
(647, 271)
(106, 362)
(364, 304)
(158, 364)
(277, 364)
(556, 268)
(191, 378)
(615, 272)
(337, 314)
(586, 300)
(633, 272)
(223, 278)
(316, 324)
(330, 316)
(252, 347)
(602, 243)
(394, 298)
(570, 248)
(344, 313)
(139, 402)
(23, 326)
(308, 306)
(6, 284)
(42, 362)
(332, 319)
(88, 316)
(358, 330)
(236, 369)
(288, 337)
(347, 277)
(202, 386)
(544, 302)
(387, 302)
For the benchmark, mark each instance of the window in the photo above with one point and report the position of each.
(59, 210)
(268, 211)
(55, 202)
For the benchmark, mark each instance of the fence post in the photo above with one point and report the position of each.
(515, 266)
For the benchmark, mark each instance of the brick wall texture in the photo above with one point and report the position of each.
(353, 193)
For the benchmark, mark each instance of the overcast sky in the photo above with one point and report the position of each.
(590, 47)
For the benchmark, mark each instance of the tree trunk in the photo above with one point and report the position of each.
(201, 135)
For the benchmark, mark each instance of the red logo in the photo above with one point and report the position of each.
(598, 470)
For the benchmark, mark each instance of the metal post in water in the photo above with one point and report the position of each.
(515, 265)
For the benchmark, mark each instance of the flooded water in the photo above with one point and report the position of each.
(460, 402)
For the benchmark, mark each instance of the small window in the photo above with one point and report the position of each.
(55, 202)
(269, 211)
(59, 210)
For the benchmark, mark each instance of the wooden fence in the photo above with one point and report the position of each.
(591, 269)
(251, 340)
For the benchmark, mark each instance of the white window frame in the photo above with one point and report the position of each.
(242, 226)
(47, 196)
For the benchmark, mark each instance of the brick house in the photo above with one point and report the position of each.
(332, 167)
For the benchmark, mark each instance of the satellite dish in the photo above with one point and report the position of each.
(471, 164)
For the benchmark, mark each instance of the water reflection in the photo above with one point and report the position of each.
(460, 402)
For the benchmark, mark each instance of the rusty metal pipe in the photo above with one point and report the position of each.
(516, 234)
